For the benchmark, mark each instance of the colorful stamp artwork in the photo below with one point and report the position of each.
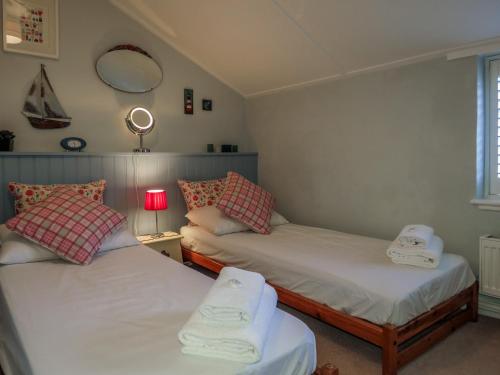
(31, 27)
(32, 22)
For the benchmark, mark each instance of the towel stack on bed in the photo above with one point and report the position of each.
(233, 320)
(417, 245)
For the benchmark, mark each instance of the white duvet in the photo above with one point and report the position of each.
(120, 315)
(347, 272)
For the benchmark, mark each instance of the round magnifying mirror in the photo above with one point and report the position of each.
(130, 69)
(141, 122)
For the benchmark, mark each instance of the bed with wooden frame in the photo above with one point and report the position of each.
(122, 191)
(115, 320)
(399, 344)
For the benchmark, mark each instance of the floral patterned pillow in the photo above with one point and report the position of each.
(201, 193)
(27, 195)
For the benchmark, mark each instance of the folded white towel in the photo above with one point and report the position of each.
(415, 235)
(234, 298)
(236, 344)
(416, 256)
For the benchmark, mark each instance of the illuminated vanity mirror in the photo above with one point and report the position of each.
(130, 69)
(140, 122)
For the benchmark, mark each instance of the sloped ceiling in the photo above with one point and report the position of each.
(260, 46)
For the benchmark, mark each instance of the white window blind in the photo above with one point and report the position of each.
(494, 126)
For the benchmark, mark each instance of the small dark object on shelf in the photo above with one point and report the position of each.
(226, 148)
(234, 148)
(206, 104)
(6, 140)
(210, 147)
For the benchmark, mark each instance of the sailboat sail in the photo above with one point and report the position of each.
(41, 106)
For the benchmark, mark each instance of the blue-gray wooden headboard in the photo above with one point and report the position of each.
(128, 176)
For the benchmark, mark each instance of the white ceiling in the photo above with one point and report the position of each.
(260, 46)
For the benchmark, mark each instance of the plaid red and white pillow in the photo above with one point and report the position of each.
(201, 193)
(246, 202)
(68, 224)
(27, 195)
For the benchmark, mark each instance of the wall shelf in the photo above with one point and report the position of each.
(83, 154)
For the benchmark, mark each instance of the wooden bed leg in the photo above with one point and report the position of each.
(390, 350)
(474, 303)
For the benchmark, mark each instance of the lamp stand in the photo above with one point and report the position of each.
(157, 234)
(141, 146)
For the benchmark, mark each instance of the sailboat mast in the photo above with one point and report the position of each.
(42, 92)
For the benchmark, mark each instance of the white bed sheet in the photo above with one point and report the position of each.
(120, 315)
(347, 272)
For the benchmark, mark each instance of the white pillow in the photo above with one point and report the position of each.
(213, 220)
(17, 249)
(277, 219)
(122, 238)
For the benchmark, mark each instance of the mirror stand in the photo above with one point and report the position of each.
(141, 145)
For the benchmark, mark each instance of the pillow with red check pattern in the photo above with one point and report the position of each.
(68, 224)
(26, 195)
(246, 202)
(201, 193)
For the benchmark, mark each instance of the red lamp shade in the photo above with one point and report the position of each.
(156, 200)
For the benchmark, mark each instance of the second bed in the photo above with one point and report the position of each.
(349, 282)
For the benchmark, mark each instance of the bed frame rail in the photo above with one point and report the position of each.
(399, 345)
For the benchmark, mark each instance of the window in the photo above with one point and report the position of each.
(487, 195)
(493, 122)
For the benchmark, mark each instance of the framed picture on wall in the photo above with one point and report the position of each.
(31, 27)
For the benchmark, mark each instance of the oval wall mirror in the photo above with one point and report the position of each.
(130, 69)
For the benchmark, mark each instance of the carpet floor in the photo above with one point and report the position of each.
(473, 349)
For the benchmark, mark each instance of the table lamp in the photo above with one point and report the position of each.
(156, 200)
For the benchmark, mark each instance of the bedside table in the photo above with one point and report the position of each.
(169, 245)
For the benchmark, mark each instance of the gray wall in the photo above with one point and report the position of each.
(374, 152)
(365, 155)
(87, 29)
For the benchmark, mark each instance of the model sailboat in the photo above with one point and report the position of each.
(41, 106)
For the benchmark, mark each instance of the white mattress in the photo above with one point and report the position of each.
(120, 315)
(347, 272)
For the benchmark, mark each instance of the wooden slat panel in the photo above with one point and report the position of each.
(424, 321)
(56, 171)
(11, 172)
(27, 169)
(121, 172)
(407, 355)
(4, 200)
(83, 169)
(70, 170)
(41, 167)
